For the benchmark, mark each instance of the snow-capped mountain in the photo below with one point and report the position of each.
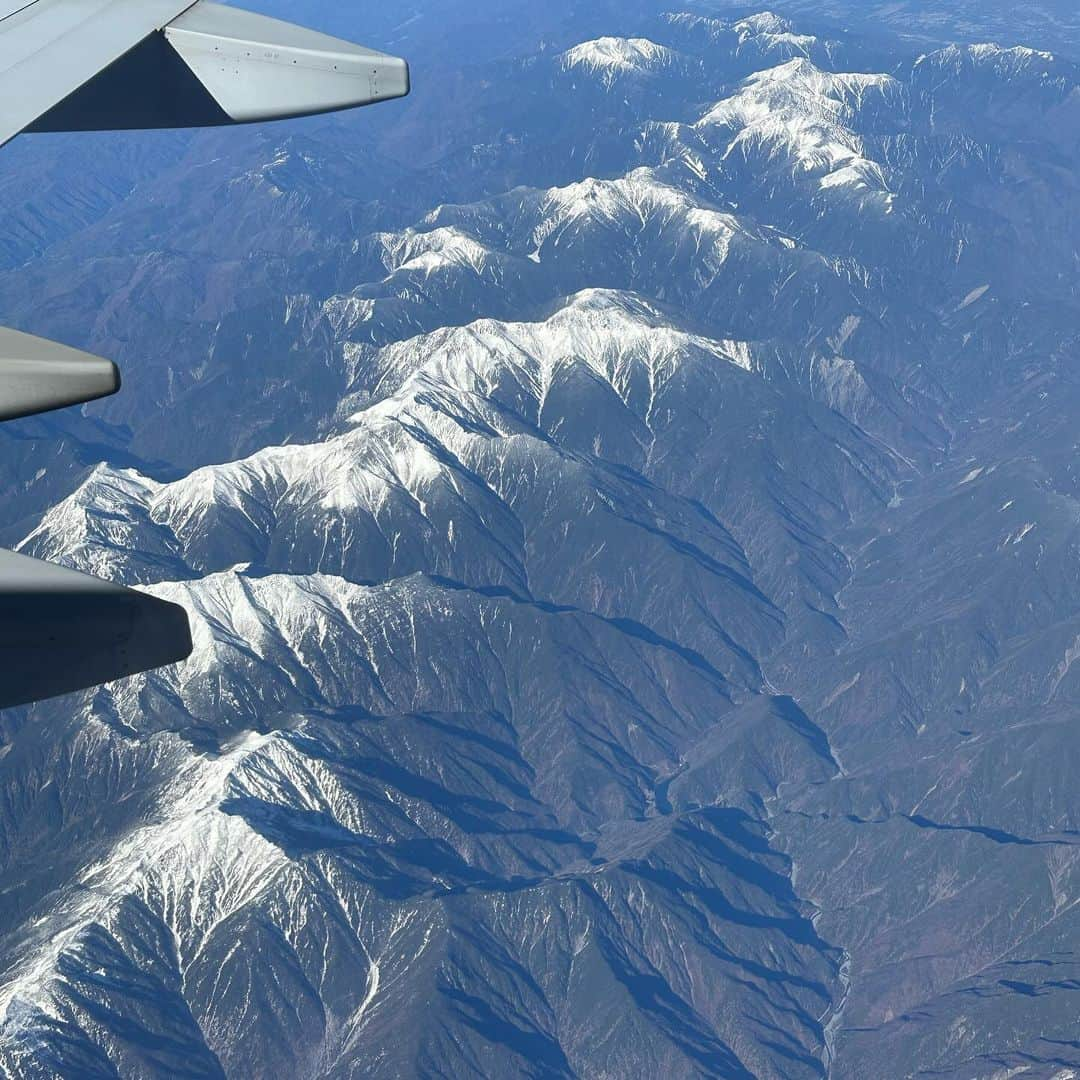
(627, 504)
(609, 59)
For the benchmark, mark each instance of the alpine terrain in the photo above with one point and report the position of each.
(628, 501)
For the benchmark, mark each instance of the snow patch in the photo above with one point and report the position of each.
(974, 296)
(614, 57)
(802, 118)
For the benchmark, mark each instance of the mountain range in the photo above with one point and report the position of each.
(626, 500)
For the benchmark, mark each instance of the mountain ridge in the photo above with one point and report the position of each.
(635, 628)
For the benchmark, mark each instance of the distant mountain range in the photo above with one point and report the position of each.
(627, 501)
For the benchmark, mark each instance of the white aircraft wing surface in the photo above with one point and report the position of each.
(106, 64)
(86, 65)
(51, 48)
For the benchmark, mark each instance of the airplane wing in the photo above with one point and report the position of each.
(61, 631)
(85, 65)
(38, 375)
(105, 64)
(51, 48)
(81, 65)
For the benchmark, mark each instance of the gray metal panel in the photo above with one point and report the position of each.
(37, 376)
(259, 68)
(61, 631)
(50, 48)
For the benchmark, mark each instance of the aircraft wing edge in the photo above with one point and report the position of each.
(50, 49)
(62, 631)
(257, 68)
(37, 376)
(212, 64)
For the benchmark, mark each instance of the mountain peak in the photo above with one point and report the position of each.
(806, 119)
(613, 57)
(765, 22)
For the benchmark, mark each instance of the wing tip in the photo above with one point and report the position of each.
(63, 632)
(38, 376)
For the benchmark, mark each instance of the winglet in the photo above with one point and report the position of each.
(213, 65)
(257, 68)
(38, 376)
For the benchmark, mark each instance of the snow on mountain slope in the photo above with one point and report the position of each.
(772, 27)
(648, 231)
(1043, 24)
(757, 39)
(636, 627)
(611, 58)
(203, 897)
(989, 91)
(623, 228)
(429, 252)
(546, 458)
(620, 337)
(529, 246)
(805, 117)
